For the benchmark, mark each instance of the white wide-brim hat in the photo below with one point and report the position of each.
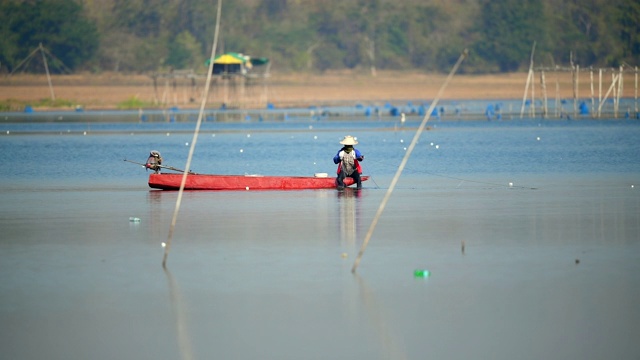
(349, 140)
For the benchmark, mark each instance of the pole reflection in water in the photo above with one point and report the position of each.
(180, 315)
(349, 210)
(391, 345)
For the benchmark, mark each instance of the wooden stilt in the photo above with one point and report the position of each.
(529, 80)
(526, 90)
(620, 90)
(599, 92)
(558, 102)
(46, 68)
(614, 97)
(611, 88)
(593, 100)
(543, 84)
(533, 95)
(636, 92)
(575, 90)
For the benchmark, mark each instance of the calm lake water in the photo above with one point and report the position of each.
(548, 212)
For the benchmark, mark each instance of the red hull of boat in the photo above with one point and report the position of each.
(244, 182)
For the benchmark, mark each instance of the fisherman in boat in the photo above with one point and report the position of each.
(348, 159)
(154, 161)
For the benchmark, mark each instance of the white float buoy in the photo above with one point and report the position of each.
(247, 188)
(241, 150)
(510, 184)
(186, 144)
(437, 146)
(538, 138)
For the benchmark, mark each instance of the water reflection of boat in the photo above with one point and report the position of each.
(169, 181)
(349, 215)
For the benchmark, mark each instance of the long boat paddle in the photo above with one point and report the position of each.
(160, 166)
(405, 159)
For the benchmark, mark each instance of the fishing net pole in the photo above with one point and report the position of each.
(405, 159)
(167, 245)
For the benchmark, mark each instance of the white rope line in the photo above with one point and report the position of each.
(195, 138)
(405, 159)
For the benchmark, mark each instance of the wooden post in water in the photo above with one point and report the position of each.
(593, 100)
(533, 97)
(635, 102)
(529, 80)
(576, 74)
(599, 92)
(558, 102)
(615, 92)
(620, 89)
(611, 88)
(543, 84)
(46, 68)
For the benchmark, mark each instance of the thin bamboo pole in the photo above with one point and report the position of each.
(576, 75)
(167, 245)
(464, 54)
(611, 88)
(543, 83)
(620, 90)
(636, 93)
(46, 68)
(599, 92)
(529, 79)
(593, 100)
(558, 103)
(533, 96)
(526, 91)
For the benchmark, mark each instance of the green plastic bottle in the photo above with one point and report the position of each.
(423, 273)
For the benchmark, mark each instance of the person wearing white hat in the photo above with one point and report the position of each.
(348, 159)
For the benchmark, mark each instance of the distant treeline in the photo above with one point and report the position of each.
(317, 35)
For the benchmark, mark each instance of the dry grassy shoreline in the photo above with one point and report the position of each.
(113, 91)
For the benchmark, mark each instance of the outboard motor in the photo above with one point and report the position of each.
(154, 161)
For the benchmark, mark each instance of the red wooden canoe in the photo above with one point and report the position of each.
(170, 181)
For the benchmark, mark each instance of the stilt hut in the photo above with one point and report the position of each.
(234, 78)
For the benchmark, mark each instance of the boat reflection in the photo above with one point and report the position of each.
(391, 345)
(349, 201)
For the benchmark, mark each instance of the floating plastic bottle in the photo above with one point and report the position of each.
(423, 273)
(134, 219)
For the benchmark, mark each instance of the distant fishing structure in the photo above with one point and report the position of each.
(613, 94)
(238, 81)
(44, 53)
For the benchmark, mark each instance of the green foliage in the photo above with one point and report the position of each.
(184, 52)
(19, 105)
(509, 29)
(133, 103)
(58, 25)
(147, 35)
